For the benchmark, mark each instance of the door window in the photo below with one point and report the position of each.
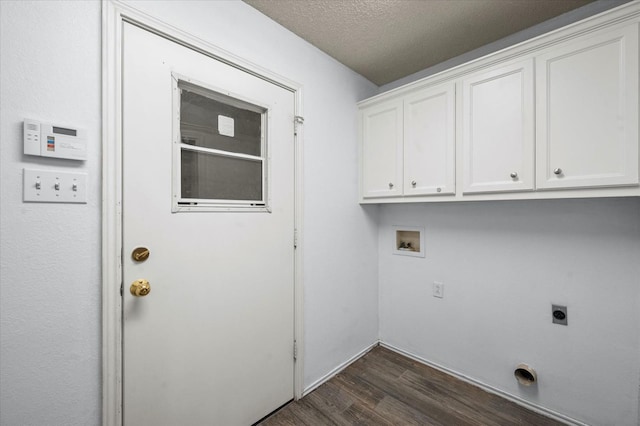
(219, 151)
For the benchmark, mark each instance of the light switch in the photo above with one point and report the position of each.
(438, 289)
(51, 186)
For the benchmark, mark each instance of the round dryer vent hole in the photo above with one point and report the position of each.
(525, 375)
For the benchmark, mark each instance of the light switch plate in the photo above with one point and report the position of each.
(52, 186)
(438, 289)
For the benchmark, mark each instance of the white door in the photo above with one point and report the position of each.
(587, 111)
(498, 129)
(429, 141)
(382, 149)
(208, 189)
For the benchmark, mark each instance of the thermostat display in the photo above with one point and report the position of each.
(47, 140)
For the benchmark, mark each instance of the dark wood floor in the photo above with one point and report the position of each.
(385, 388)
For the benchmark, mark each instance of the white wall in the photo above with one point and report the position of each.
(51, 279)
(503, 264)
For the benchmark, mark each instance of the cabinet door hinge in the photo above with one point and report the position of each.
(295, 239)
(295, 350)
(121, 289)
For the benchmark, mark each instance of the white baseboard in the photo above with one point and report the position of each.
(528, 405)
(338, 369)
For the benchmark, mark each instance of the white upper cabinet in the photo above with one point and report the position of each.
(381, 156)
(556, 116)
(429, 141)
(587, 111)
(498, 129)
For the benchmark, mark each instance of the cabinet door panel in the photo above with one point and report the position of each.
(382, 150)
(498, 129)
(429, 141)
(587, 116)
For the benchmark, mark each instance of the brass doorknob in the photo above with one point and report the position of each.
(140, 288)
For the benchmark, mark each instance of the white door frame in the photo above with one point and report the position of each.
(114, 15)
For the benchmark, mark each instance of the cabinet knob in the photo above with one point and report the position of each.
(390, 185)
(557, 171)
(514, 175)
(413, 183)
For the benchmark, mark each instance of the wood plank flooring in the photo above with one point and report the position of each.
(386, 388)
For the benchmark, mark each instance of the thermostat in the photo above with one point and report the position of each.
(50, 140)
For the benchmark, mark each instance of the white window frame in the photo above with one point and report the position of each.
(179, 204)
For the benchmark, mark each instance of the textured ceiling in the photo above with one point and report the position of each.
(385, 40)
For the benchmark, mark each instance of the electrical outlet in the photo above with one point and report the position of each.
(559, 314)
(438, 289)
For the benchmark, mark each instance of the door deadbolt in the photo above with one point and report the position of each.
(140, 254)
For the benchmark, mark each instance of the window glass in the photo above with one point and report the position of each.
(210, 123)
(207, 176)
(222, 150)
